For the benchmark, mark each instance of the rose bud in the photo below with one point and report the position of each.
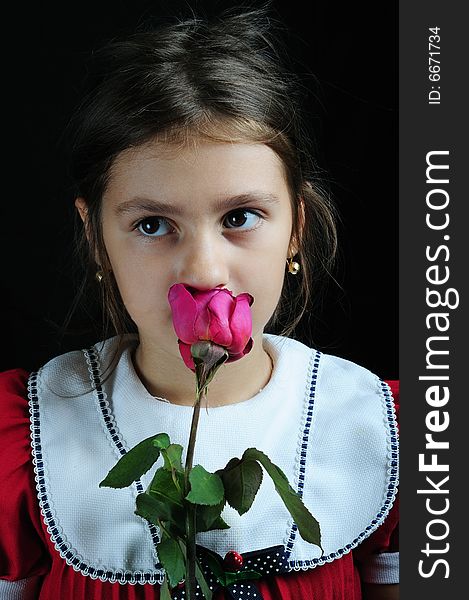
(211, 315)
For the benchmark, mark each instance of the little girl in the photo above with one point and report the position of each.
(191, 167)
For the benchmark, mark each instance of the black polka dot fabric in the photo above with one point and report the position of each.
(266, 562)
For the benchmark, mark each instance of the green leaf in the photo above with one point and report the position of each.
(172, 456)
(161, 440)
(208, 354)
(162, 501)
(135, 462)
(165, 594)
(308, 527)
(169, 496)
(164, 487)
(216, 567)
(172, 559)
(208, 517)
(225, 578)
(152, 509)
(208, 358)
(241, 480)
(219, 523)
(241, 576)
(206, 591)
(206, 488)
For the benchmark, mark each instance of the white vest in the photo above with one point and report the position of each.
(326, 422)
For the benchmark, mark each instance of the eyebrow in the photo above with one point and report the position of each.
(141, 204)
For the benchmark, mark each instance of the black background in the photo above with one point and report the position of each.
(425, 128)
(350, 48)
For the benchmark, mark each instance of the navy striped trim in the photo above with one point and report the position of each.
(392, 483)
(92, 359)
(304, 447)
(58, 538)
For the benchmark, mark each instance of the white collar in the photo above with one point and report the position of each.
(338, 448)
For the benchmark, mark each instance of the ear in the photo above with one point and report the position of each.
(296, 239)
(82, 208)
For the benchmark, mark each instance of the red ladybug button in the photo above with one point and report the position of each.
(233, 561)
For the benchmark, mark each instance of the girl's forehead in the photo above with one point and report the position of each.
(203, 164)
(210, 177)
(195, 150)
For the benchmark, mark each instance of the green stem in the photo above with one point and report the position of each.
(191, 553)
(191, 508)
(192, 438)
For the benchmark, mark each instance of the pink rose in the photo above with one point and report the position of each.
(215, 315)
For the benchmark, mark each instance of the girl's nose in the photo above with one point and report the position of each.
(202, 264)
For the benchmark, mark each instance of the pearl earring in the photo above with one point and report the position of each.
(293, 267)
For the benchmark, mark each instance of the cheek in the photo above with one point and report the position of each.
(146, 301)
(142, 287)
(266, 289)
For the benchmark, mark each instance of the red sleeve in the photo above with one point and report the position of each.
(394, 385)
(22, 546)
(386, 538)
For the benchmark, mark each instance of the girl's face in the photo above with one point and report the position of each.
(212, 215)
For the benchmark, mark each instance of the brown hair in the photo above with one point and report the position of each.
(221, 79)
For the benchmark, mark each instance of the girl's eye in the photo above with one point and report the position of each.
(153, 226)
(241, 218)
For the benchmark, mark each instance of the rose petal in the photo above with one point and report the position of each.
(184, 312)
(214, 315)
(185, 351)
(246, 350)
(240, 324)
(246, 295)
(220, 308)
(203, 317)
(204, 296)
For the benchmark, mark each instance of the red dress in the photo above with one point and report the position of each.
(29, 558)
